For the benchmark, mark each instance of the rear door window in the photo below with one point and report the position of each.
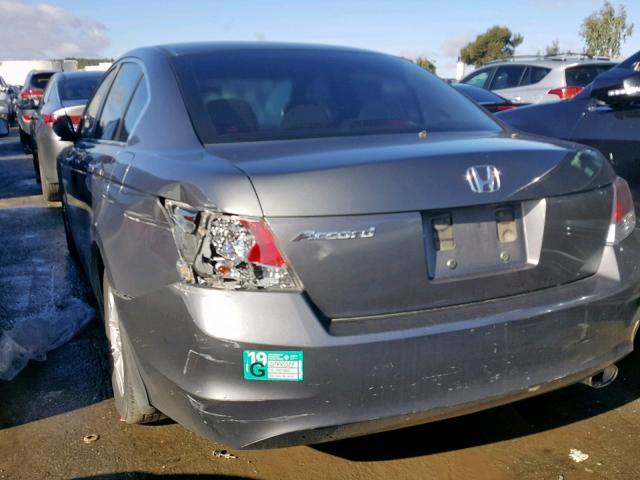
(134, 111)
(479, 78)
(117, 101)
(93, 108)
(50, 93)
(507, 76)
(583, 75)
(534, 75)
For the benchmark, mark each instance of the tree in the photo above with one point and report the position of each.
(427, 64)
(605, 30)
(494, 44)
(553, 48)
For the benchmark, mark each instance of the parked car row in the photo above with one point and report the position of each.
(294, 244)
(535, 79)
(7, 110)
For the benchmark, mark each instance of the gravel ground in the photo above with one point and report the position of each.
(47, 410)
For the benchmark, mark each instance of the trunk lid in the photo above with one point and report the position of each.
(385, 225)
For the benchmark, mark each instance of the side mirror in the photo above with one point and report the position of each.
(617, 91)
(63, 128)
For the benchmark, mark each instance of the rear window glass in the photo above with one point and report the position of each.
(534, 75)
(40, 80)
(251, 95)
(78, 88)
(507, 77)
(478, 79)
(583, 75)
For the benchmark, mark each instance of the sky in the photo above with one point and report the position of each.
(436, 29)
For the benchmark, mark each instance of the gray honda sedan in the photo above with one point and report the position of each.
(294, 244)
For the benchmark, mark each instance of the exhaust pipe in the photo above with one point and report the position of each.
(603, 378)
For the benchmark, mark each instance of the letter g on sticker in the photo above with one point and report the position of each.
(257, 369)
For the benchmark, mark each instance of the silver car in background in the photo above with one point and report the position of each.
(28, 102)
(535, 79)
(6, 107)
(66, 94)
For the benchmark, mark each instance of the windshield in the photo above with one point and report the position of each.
(78, 88)
(40, 80)
(251, 95)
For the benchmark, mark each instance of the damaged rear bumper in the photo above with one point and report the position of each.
(368, 375)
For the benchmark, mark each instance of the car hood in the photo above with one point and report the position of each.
(401, 173)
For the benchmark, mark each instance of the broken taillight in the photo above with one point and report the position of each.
(226, 251)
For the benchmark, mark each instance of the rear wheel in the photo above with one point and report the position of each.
(71, 245)
(129, 392)
(36, 165)
(25, 140)
(50, 190)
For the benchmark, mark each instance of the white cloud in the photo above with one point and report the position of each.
(451, 46)
(29, 31)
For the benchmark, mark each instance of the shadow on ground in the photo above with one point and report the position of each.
(153, 476)
(18, 176)
(527, 417)
(44, 303)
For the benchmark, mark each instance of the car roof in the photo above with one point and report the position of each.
(79, 73)
(551, 62)
(178, 49)
(36, 72)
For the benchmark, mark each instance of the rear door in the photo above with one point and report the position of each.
(73, 170)
(108, 146)
(506, 81)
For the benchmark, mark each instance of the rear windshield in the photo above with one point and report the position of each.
(480, 95)
(78, 88)
(40, 80)
(583, 75)
(253, 95)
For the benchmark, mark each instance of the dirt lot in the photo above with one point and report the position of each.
(47, 409)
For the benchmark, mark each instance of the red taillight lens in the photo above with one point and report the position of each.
(27, 118)
(623, 213)
(32, 93)
(504, 108)
(226, 251)
(48, 119)
(565, 92)
(264, 250)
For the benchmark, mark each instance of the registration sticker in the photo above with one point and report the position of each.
(273, 365)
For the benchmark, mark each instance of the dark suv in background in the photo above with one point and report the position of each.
(28, 101)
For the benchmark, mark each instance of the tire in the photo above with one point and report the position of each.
(25, 140)
(50, 191)
(71, 244)
(129, 392)
(36, 165)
